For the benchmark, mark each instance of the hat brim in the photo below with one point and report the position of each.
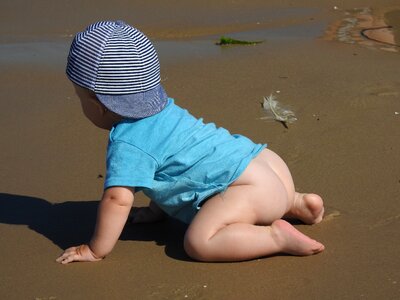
(137, 105)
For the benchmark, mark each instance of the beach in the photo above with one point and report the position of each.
(343, 86)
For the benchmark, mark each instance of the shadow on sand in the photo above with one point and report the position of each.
(72, 223)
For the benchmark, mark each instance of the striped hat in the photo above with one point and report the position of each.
(120, 65)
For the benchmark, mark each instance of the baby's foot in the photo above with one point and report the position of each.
(308, 208)
(292, 241)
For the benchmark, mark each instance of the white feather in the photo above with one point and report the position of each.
(272, 107)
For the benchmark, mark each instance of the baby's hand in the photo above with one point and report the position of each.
(145, 215)
(80, 253)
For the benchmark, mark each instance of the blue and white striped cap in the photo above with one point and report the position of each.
(120, 65)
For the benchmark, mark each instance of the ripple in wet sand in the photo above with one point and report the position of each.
(372, 28)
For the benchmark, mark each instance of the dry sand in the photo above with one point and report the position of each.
(344, 146)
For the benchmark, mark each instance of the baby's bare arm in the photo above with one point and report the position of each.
(111, 217)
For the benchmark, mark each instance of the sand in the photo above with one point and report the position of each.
(345, 146)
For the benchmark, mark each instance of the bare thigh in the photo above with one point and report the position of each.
(258, 196)
(257, 172)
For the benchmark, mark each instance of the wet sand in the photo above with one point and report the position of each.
(376, 28)
(345, 146)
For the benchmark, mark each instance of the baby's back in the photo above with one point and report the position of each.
(186, 160)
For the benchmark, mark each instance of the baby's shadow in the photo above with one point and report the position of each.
(168, 233)
(72, 223)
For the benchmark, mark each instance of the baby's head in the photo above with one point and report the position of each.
(118, 66)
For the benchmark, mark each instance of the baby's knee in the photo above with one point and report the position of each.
(195, 247)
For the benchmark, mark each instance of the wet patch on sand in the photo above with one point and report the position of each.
(185, 39)
(331, 214)
(372, 28)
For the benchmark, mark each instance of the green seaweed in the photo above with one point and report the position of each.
(229, 41)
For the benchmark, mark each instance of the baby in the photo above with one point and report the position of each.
(232, 192)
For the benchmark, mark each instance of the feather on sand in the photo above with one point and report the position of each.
(277, 112)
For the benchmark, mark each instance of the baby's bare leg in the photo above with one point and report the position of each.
(225, 230)
(231, 226)
(308, 208)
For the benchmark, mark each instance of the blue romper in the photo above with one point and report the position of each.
(176, 159)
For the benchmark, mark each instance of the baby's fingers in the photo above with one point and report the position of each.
(68, 256)
(80, 253)
(66, 259)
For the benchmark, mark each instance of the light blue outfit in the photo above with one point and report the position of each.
(176, 159)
